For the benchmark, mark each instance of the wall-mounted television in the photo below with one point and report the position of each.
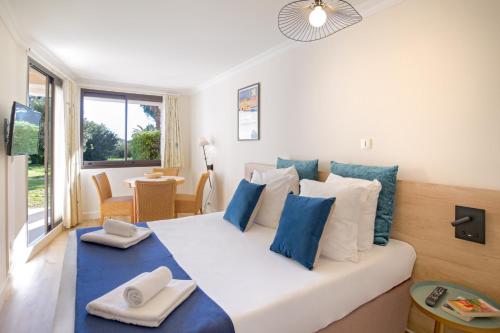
(24, 130)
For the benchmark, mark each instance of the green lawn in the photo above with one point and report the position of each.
(36, 186)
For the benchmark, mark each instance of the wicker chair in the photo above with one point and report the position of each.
(155, 200)
(109, 205)
(167, 171)
(191, 203)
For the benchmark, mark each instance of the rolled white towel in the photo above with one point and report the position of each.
(147, 286)
(119, 228)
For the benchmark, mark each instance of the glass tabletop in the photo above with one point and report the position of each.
(420, 291)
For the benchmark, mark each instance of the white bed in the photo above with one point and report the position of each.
(256, 287)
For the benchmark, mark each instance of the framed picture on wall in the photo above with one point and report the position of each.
(249, 113)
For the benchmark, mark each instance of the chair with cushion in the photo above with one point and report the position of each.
(167, 171)
(155, 200)
(191, 203)
(109, 205)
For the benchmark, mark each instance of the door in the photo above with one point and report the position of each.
(41, 97)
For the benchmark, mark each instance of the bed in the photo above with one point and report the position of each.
(262, 291)
(259, 289)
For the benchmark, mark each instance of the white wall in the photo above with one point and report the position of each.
(422, 79)
(13, 62)
(117, 176)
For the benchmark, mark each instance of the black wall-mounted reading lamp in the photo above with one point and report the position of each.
(470, 224)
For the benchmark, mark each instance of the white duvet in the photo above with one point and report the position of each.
(260, 290)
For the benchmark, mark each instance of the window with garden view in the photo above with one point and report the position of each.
(120, 130)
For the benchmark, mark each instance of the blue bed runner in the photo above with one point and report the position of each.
(103, 268)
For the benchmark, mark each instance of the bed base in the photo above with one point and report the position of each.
(388, 313)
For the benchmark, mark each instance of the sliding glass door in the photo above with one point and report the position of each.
(41, 97)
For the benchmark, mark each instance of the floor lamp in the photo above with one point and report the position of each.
(210, 167)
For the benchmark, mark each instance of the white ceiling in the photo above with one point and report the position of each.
(163, 44)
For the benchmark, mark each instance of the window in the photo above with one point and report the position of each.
(120, 130)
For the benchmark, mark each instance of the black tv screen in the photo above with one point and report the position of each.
(24, 130)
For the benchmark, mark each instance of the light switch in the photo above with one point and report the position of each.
(366, 144)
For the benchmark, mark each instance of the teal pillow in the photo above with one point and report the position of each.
(386, 199)
(301, 226)
(305, 169)
(242, 205)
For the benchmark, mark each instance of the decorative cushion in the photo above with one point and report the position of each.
(306, 169)
(368, 211)
(273, 198)
(340, 237)
(386, 200)
(300, 228)
(243, 207)
(267, 176)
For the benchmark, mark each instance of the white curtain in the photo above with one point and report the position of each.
(172, 150)
(72, 143)
(59, 154)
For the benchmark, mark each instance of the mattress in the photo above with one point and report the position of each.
(260, 290)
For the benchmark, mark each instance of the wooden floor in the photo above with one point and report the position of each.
(32, 290)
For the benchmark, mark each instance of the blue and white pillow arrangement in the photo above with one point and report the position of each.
(348, 213)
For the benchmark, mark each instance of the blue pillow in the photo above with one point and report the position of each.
(305, 169)
(386, 199)
(301, 226)
(242, 205)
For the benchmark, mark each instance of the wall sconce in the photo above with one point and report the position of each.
(469, 224)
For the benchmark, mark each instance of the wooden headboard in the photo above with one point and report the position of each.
(422, 218)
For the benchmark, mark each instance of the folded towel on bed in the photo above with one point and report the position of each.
(114, 307)
(137, 293)
(119, 228)
(101, 237)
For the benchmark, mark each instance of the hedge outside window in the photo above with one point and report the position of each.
(120, 130)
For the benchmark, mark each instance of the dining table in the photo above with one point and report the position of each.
(130, 182)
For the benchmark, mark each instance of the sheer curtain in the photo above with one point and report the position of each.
(59, 153)
(72, 135)
(172, 150)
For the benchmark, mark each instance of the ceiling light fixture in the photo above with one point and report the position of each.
(318, 16)
(310, 20)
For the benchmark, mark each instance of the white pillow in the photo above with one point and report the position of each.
(267, 176)
(340, 236)
(273, 198)
(366, 223)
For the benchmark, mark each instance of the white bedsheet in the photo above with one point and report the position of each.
(260, 290)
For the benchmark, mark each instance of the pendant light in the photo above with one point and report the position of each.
(310, 20)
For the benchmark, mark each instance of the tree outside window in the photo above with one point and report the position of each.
(119, 130)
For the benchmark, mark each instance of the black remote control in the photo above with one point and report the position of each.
(435, 295)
